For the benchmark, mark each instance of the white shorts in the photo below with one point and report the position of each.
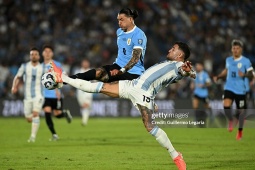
(136, 95)
(84, 97)
(32, 105)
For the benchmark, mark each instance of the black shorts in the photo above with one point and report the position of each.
(240, 100)
(125, 76)
(53, 103)
(203, 99)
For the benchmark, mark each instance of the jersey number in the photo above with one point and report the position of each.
(233, 74)
(124, 51)
(146, 99)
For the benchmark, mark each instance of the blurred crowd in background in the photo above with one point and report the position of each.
(87, 29)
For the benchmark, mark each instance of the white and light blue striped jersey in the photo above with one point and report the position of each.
(234, 82)
(126, 42)
(32, 79)
(51, 93)
(201, 79)
(159, 76)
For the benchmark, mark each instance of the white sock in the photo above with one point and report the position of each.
(35, 126)
(164, 141)
(85, 115)
(83, 85)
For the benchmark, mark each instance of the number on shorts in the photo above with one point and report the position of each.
(241, 103)
(146, 99)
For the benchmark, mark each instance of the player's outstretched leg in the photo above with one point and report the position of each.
(161, 137)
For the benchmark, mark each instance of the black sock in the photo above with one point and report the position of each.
(88, 75)
(228, 113)
(241, 118)
(50, 122)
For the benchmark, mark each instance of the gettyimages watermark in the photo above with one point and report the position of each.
(190, 118)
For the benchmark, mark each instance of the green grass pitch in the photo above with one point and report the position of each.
(120, 143)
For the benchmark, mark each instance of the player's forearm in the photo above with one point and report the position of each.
(15, 82)
(135, 58)
(223, 74)
(249, 75)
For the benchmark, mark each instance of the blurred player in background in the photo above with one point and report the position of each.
(131, 42)
(84, 98)
(237, 69)
(142, 91)
(31, 72)
(200, 86)
(53, 100)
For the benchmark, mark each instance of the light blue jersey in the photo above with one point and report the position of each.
(234, 82)
(51, 93)
(126, 42)
(201, 79)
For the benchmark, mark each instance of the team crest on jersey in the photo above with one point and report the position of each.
(128, 41)
(140, 41)
(239, 65)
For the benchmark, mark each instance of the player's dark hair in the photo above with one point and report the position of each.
(129, 12)
(185, 48)
(48, 46)
(237, 42)
(34, 49)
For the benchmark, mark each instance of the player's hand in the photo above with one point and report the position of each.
(215, 79)
(14, 90)
(187, 66)
(115, 72)
(241, 74)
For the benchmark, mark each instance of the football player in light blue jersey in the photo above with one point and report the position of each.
(129, 63)
(237, 69)
(53, 100)
(32, 72)
(142, 91)
(200, 86)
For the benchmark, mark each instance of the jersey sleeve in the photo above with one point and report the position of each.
(139, 40)
(207, 78)
(226, 63)
(21, 71)
(248, 65)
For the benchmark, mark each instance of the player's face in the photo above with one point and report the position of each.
(34, 56)
(236, 51)
(47, 54)
(124, 22)
(85, 64)
(199, 67)
(175, 53)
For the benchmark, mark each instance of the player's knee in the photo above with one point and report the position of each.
(102, 75)
(29, 119)
(47, 110)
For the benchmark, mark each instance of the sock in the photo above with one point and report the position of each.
(228, 113)
(35, 126)
(83, 84)
(241, 118)
(85, 115)
(164, 141)
(88, 75)
(50, 122)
